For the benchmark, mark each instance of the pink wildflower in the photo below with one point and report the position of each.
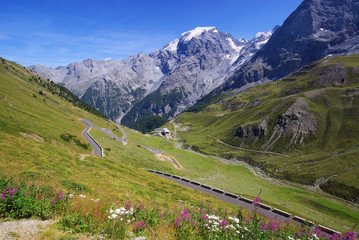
(141, 225)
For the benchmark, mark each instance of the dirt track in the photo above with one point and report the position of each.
(172, 160)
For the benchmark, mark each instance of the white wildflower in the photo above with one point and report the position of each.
(315, 236)
(113, 216)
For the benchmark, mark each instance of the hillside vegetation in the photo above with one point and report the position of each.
(41, 143)
(302, 128)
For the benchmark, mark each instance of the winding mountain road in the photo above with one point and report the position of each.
(123, 131)
(106, 131)
(222, 195)
(97, 149)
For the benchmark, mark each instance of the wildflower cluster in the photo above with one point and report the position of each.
(121, 214)
(8, 192)
(59, 197)
(81, 214)
(23, 201)
(256, 201)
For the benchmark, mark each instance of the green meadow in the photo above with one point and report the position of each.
(32, 120)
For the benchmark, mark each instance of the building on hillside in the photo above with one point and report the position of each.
(163, 132)
(158, 131)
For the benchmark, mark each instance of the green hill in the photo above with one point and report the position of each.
(37, 117)
(33, 120)
(302, 128)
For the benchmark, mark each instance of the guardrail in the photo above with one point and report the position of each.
(232, 195)
(280, 212)
(249, 201)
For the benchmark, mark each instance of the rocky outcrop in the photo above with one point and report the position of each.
(250, 134)
(295, 124)
(331, 76)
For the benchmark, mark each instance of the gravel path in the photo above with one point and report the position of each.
(22, 229)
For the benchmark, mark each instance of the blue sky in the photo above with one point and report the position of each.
(54, 33)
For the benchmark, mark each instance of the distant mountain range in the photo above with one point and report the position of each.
(187, 68)
(206, 61)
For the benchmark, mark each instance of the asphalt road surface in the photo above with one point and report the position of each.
(106, 131)
(109, 133)
(242, 202)
(97, 149)
(225, 198)
(123, 132)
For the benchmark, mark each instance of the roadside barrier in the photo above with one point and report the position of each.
(206, 186)
(231, 195)
(266, 207)
(246, 200)
(280, 212)
(218, 190)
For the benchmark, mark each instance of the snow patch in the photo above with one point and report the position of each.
(197, 32)
(233, 46)
(107, 59)
(322, 29)
(263, 34)
(260, 44)
(243, 40)
(172, 46)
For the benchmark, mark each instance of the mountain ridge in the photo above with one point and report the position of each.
(113, 86)
(317, 28)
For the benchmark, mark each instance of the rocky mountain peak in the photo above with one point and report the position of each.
(314, 30)
(188, 68)
(197, 32)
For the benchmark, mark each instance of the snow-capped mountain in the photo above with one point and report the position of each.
(317, 28)
(195, 64)
(188, 67)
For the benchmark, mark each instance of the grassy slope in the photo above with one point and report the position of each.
(320, 208)
(117, 178)
(31, 149)
(332, 153)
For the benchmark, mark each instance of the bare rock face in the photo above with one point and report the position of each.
(331, 76)
(296, 124)
(251, 134)
(317, 28)
(142, 85)
(195, 64)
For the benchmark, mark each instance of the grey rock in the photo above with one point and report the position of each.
(187, 68)
(195, 66)
(297, 123)
(317, 28)
(251, 134)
